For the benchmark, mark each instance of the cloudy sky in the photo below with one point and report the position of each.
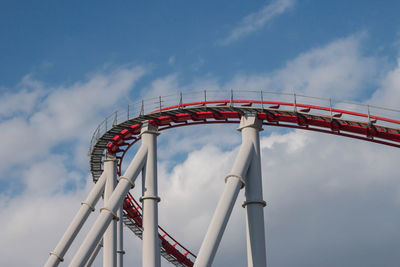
(66, 65)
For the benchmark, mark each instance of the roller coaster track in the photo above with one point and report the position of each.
(120, 131)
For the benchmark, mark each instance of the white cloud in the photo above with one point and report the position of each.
(389, 93)
(39, 142)
(329, 197)
(161, 87)
(338, 70)
(64, 114)
(255, 21)
(23, 101)
(295, 141)
(35, 220)
(320, 190)
(171, 60)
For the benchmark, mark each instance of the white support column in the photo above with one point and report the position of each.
(110, 236)
(250, 127)
(120, 239)
(151, 245)
(234, 182)
(108, 213)
(73, 229)
(94, 254)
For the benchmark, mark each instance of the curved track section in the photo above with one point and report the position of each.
(299, 113)
(171, 249)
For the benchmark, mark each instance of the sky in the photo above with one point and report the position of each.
(66, 65)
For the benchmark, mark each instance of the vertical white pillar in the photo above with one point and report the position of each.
(107, 213)
(254, 204)
(110, 236)
(151, 247)
(73, 229)
(120, 239)
(234, 182)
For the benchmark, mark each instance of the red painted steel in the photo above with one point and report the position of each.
(179, 252)
(273, 116)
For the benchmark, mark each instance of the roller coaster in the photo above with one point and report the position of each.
(146, 119)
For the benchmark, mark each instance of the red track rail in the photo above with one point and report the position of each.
(300, 116)
(174, 248)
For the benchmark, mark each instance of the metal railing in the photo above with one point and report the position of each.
(261, 99)
(162, 233)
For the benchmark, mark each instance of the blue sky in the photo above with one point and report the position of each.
(61, 42)
(67, 65)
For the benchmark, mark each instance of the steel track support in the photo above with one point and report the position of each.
(110, 236)
(73, 229)
(234, 182)
(151, 243)
(94, 254)
(250, 127)
(120, 239)
(108, 213)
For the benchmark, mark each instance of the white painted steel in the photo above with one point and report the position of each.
(107, 213)
(94, 254)
(151, 245)
(77, 223)
(120, 239)
(218, 223)
(110, 236)
(254, 204)
(225, 205)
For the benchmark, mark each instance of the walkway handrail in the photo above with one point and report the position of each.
(232, 97)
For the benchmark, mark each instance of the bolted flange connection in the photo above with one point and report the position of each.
(115, 217)
(236, 176)
(61, 259)
(87, 204)
(149, 197)
(259, 202)
(127, 179)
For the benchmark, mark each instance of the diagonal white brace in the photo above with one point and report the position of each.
(94, 254)
(233, 183)
(77, 223)
(115, 201)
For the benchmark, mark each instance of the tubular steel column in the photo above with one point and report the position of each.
(110, 236)
(94, 254)
(254, 204)
(120, 240)
(73, 229)
(234, 182)
(151, 245)
(108, 213)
